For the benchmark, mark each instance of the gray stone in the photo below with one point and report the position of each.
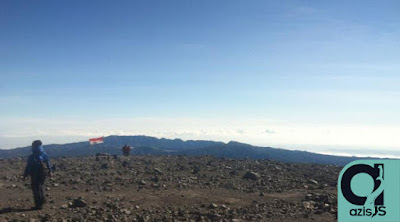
(213, 206)
(251, 175)
(79, 202)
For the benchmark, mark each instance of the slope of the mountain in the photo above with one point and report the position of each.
(175, 144)
(240, 150)
(153, 146)
(112, 145)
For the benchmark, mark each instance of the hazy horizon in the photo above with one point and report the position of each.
(328, 150)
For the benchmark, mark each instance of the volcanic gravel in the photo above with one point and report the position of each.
(172, 188)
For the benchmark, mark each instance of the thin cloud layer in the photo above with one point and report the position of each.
(253, 131)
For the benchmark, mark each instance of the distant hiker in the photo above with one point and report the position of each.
(126, 150)
(38, 168)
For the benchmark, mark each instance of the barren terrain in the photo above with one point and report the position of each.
(172, 188)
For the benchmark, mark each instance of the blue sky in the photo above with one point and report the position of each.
(222, 70)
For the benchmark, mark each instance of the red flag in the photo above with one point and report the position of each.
(96, 140)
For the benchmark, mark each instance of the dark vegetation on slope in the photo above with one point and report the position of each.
(145, 145)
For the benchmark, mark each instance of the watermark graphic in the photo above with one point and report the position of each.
(369, 191)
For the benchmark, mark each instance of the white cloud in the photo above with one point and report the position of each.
(253, 131)
(269, 131)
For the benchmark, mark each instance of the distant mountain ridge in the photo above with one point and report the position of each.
(145, 145)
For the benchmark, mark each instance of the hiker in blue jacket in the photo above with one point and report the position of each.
(38, 168)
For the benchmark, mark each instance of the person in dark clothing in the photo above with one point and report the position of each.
(38, 168)
(126, 150)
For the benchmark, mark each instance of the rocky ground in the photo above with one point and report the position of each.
(172, 188)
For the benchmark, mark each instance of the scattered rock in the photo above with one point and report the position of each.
(251, 175)
(239, 186)
(158, 171)
(311, 181)
(308, 205)
(213, 206)
(79, 202)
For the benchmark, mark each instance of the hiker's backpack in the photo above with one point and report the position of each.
(39, 167)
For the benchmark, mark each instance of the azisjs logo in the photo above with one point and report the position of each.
(363, 185)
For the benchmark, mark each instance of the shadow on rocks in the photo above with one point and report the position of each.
(12, 210)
